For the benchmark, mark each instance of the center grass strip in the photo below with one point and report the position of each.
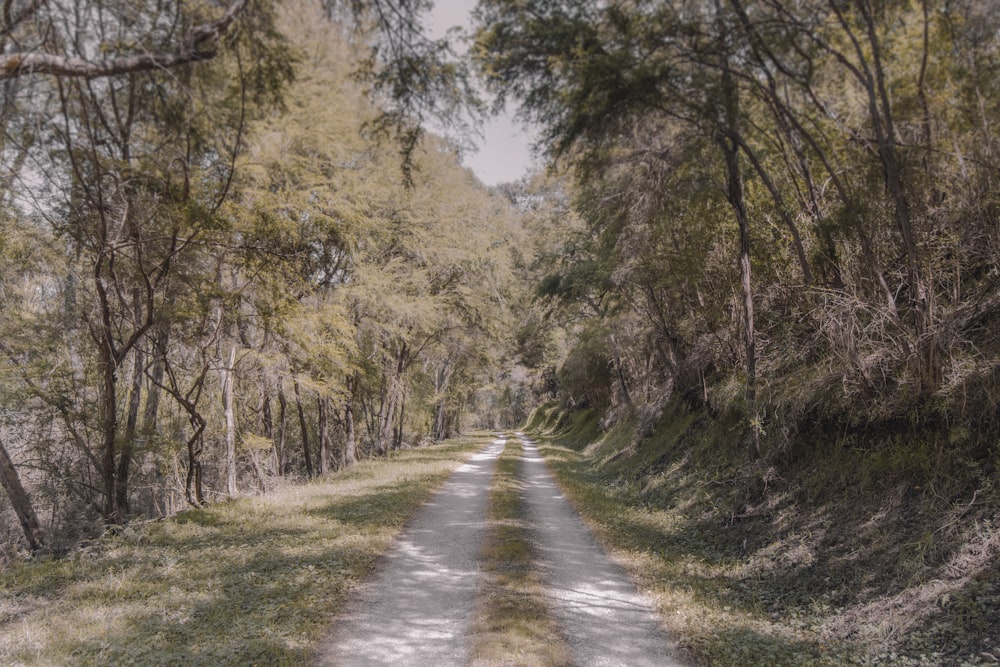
(514, 626)
(252, 581)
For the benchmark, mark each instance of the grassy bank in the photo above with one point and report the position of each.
(513, 625)
(828, 560)
(252, 581)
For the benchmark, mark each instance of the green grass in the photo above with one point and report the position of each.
(254, 581)
(698, 582)
(514, 626)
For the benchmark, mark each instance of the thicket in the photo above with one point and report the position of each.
(768, 304)
(781, 216)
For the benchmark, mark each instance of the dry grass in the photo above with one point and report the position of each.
(699, 588)
(514, 626)
(253, 581)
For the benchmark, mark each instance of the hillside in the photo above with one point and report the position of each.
(842, 556)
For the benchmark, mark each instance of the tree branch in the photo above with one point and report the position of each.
(198, 46)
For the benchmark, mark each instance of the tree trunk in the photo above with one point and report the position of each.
(350, 440)
(109, 432)
(20, 501)
(442, 378)
(390, 405)
(131, 427)
(305, 431)
(920, 296)
(323, 462)
(266, 418)
(149, 415)
(734, 190)
(397, 437)
(386, 408)
(228, 373)
(440, 422)
(729, 141)
(746, 283)
(619, 371)
(871, 75)
(193, 490)
(281, 437)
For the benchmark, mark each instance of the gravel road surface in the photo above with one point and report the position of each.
(419, 608)
(605, 620)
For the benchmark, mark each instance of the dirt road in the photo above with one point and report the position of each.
(601, 614)
(419, 608)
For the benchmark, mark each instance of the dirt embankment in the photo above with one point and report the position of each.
(831, 554)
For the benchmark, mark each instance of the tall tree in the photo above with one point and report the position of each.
(586, 73)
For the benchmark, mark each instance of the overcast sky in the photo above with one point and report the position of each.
(504, 151)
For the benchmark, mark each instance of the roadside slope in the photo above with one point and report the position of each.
(833, 559)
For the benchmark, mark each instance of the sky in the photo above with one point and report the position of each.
(505, 148)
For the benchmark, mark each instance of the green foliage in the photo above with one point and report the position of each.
(223, 253)
(586, 375)
(866, 264)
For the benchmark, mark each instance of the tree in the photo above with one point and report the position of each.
(137, 177)
(206, 224)
(834, 134)
(25, 511)
(586, 74)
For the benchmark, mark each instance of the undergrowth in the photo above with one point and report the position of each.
(252, 581)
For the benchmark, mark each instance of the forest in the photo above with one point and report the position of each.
(238, 249)
(217, 276)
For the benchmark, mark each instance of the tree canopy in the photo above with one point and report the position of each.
(215, 272)
(218, 273)
(768, 189)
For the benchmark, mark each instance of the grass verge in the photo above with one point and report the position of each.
(713, 614)
(254, 581)
(514, 626)
(831, 561)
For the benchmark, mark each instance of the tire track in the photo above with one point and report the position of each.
(419, 608)
(602, 616)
